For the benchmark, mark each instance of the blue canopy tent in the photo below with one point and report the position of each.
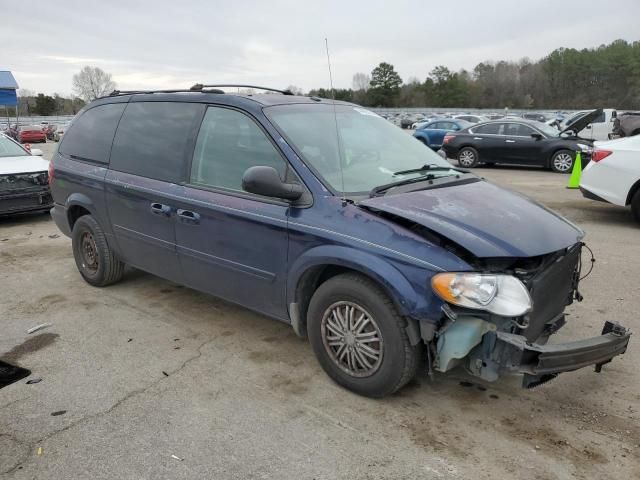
(8, 89)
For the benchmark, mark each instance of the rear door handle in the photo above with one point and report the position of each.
(160, 209)
(477, 138)
(187, 216)
(509, 141)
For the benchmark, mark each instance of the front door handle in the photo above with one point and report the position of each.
(187, 216)
(160, 209)
(477, 138)
(509, 141)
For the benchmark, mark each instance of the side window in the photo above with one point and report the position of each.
(435, 126)
(152, 139)
(525, 130)
(487, 129)
(228, 144)
(91, 134)
(600, 118)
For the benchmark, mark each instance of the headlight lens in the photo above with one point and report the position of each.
(499, 294)
(585, 148)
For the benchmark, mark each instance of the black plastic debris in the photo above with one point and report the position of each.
(58, 413)
(165, 373)
(10, 374)
(33, 381)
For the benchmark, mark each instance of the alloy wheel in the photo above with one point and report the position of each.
(467, 158)
(563, 162)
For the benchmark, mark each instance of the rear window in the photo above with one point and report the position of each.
(153, 137)
(90, 136)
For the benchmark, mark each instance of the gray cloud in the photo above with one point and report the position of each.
(171, 44)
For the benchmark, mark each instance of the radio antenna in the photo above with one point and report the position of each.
(335, 120)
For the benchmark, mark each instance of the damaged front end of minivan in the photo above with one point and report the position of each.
(499, 321)
(525, 267)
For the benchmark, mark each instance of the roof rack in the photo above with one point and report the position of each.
(198, 87)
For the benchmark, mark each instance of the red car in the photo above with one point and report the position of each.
(31, 134)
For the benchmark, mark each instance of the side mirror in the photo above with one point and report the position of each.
(36, 152)
(265, 181)
(536, 136)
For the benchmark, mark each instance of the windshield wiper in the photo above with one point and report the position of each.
(431, 167)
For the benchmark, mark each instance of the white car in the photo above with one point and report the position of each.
(24, 179)
(613, 174)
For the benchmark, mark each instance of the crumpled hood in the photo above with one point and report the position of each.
(24, 164)
(483, 218)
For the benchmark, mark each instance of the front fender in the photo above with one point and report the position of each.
(389, 277)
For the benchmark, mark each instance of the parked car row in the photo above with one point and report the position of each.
(28, 133)
(521, 142)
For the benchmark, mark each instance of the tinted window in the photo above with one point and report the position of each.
(517, 130)
(153, 137)
(91, 134)
(487, 129)
(599, 119)
(228, 144)
(435, 126)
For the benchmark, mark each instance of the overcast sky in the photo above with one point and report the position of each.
(172, 44)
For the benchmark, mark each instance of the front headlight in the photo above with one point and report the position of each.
(500, 294)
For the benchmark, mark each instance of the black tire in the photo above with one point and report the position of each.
(96, 262)
(562, 161)
(635, 206)
(468, 157)
(398, 359)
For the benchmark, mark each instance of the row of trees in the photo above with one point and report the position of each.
(607, 76)
(88, 84)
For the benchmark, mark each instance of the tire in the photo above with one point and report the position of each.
(397, 361)
(562, 161)
(468, 157)
(635, 206)
(96, 262)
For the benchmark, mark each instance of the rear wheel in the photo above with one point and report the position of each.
(468, 157)
(635, 206)
(562, 161)
(359, 338)
(96, 262)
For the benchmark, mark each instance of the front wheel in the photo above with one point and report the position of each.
(468, 157)
(96, 262)
(562, 161)
(359, 338)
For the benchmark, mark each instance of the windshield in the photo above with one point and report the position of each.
(10, 149)
(548, 130)
(370, 148)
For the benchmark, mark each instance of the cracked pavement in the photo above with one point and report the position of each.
(243, 397)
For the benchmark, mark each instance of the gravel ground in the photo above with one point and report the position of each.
(159, 381)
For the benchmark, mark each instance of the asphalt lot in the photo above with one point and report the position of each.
(146, 370)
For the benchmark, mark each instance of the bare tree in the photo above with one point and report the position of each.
(295, 90)
(92, 82)
(361, 81)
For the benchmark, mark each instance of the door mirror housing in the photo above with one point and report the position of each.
(266, 181)
(537, 136)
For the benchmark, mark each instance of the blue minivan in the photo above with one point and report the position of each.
(325, 216)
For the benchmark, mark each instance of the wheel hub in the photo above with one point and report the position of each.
(352, 339)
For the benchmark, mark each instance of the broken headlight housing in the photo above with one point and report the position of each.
(499, 294)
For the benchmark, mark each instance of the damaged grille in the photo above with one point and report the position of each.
(22, 181)
(552, 289)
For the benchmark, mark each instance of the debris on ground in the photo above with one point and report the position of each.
(33, 380)
(177, 458)
(38, 327)
(54, 235)
(57, 413)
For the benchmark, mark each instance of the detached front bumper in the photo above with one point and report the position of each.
(540, 363)
(25, 201)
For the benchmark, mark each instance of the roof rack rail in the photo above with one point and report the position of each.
(115, 93)
(199, 87)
